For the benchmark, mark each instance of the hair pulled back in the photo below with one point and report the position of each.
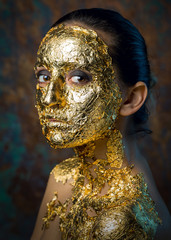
(126, 47)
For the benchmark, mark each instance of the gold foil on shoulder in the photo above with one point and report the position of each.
(125, 210)
(107, 225)
(67, 169)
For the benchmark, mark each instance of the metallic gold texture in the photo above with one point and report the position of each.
(80, 113)
(107, 201)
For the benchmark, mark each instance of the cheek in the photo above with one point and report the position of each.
(39, 96)
(40, 93)
(83, 96)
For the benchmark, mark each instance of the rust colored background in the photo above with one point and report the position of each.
(26, 158)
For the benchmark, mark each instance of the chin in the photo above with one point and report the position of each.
(61, 140)
(74, 136)
(64, 139)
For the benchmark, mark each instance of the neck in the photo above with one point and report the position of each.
(108, 149)
(117, 150)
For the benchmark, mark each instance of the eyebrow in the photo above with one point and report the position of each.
(39, 68)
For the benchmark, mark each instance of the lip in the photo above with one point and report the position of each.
(53, 122)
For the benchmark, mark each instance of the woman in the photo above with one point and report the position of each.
(93, 83)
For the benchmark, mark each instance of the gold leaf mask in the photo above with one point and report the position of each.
(80, 101)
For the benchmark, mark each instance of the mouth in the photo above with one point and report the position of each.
(54, 122)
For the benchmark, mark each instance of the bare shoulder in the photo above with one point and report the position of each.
(164, 230)
(60, 181)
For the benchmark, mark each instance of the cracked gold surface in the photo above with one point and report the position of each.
(124, 211)
(85, 112)
(107, 201)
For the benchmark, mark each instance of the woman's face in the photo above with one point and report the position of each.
(77, 97)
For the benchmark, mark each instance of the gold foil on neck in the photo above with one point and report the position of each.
(107, 201)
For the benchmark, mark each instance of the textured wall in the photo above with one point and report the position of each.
(26, 158)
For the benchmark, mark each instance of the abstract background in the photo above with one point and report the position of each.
(25, 157)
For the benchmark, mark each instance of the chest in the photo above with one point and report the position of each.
(105, 204)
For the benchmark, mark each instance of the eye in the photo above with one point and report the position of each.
(43, 77)
(78, 77)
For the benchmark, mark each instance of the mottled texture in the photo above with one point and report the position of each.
(26, 158)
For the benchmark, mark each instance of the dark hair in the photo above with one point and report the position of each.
(126, 47)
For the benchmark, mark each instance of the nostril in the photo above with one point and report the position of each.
(54, 105)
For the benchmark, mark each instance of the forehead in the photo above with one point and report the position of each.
(66, 49)
(69, 44)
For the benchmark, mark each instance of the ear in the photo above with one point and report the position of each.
(134, 100)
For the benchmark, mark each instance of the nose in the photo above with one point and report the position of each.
(54, 94)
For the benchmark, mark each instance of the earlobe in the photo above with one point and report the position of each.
(134, 100)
